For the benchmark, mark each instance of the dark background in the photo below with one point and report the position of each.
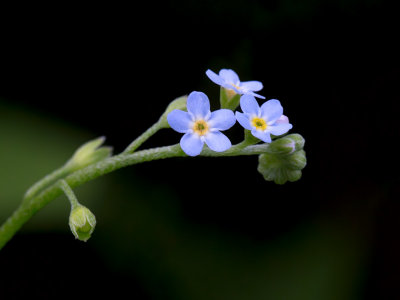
(113, 70)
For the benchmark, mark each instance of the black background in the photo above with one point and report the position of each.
(333, 65)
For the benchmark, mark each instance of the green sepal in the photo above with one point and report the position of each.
(178, 103)
(249, 138)
(228, 99)
(82, 222)
(89, 153)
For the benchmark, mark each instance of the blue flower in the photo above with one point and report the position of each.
(200, 125)
(263, 121)
(230, 80)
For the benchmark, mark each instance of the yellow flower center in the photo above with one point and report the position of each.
(259, 123)
(200, 127)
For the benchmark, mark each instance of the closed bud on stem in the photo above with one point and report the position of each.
(284, 161)
(178, 103)
(82, 222)
(229, 99)
(89, 153)
(287, 144)
(297, 160)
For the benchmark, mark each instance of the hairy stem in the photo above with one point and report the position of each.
(47, 181)
(29, 207)
(69, 193)
(145, 136)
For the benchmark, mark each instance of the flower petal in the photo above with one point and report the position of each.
(217, 141)
(249, 105)
(179, 120)
(222, 119)
(243, 120)
(198, 105)
(229, 76)
(280, 129)
(254, 86)
(214, 77)
(264, 136)
(255, 95)
(271, 110)
(191, 144)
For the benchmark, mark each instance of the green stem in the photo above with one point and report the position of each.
(47, 181)
(69, 193)
(29, 207)
(145, 136)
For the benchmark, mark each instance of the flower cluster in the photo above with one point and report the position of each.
(200, 125)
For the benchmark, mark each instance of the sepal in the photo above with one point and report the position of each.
(82, 222)
(229, 99)
(89, 153)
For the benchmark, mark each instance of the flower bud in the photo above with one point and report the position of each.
(229, 99)
(297, 160)
(89, 153)
(287, 144)
(282, 146)
(298, 140)
(281, 168)
(178, 103)
(82, 222)
(294, 175)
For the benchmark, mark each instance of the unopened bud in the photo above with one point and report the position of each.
(89, 153)
(287, 145)
(82, 222)
(281, 168)
(297, 160)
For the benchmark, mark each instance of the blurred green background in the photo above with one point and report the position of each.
(204, 228)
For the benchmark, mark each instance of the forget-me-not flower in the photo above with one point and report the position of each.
(262, 121)
(230, 80)
(200, 125)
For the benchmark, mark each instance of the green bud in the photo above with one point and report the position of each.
(89, 153)
(297, 160)
(229, 99)
(298, 140)
(281, 168)
(293, 176)
(287, 145)
(82, 222)
(178, 103)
